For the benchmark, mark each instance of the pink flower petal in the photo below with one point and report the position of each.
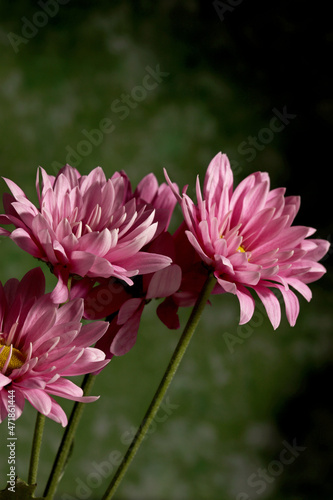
(24, 241)
(65, 388)
(70, 312)
(167, 313)
(40, 318)
(60, 293)
(91, 333)
(57, 414)
(32, 284)
(227, 285)
(147, 188)
(81, 262)
(254, 200)
(39, 400)
(247, 304)
(97, 244)
(165, 282)
(127, 334)
(15, 189)
(271, 304)
(128, 309)
(172, 186)
(101, 268)
(247, 277)
(301, 287)
(219, 178)
(291, 303)
(4, 380)
(144, 262)
(194, 242)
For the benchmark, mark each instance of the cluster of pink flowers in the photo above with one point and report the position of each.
(112, 252)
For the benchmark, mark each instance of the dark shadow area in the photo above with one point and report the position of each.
(307, 420)
(279, 53)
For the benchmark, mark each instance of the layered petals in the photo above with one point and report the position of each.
(246, 238)
(41, 344)
(123, 305)
(90, 226)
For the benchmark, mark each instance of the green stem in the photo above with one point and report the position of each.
(36, 446)
(67, 440)
(162, 388)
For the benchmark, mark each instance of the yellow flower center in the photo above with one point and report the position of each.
(16, 360)
(241, 249)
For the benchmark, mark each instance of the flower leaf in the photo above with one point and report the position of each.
(19, 491)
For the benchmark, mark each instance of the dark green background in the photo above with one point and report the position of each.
(232, 410)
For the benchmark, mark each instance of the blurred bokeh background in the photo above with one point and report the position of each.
(74, 88)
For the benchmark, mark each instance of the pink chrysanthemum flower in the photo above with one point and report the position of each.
(246, 236)
(41, 345)
(123, 305)
(85, 226)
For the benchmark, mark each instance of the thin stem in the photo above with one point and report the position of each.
(67, 440)
(162, 388)
(36, 446)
